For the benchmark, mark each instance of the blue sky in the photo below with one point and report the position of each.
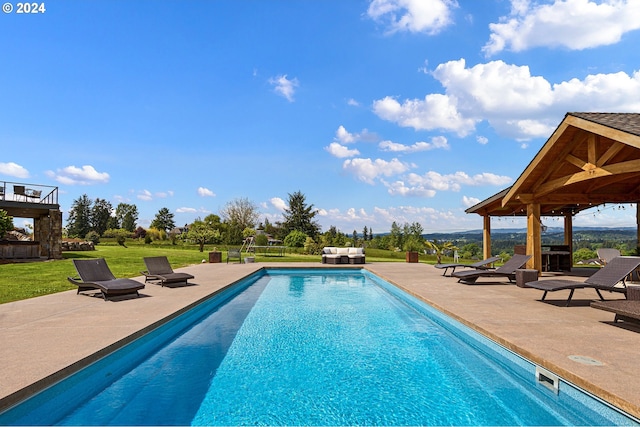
(376, 110)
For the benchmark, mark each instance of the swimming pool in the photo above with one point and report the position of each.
(309, 347)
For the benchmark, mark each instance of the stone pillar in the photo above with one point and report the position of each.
(55, 238)
(41, 227)
(47, 230)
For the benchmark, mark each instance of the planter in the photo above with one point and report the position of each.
(411, 256)
(249, 259)
(215, 256)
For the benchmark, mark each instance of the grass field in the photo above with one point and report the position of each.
(24, 280)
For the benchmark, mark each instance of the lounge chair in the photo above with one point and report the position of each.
(605, 255)
(96, 275)
(607, 278)
(627, 310)
(234, 254)
(159, 270)
(479, 265)
(508, 270)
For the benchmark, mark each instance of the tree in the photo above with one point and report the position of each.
(395, 236)
(470, 251)
(295, 239)
(6, 223)
(440, 248)
(79, 222)
(200, 232)
(101, 215)
(127, 216)
(163, 220)
(298, 216)
(239, 214)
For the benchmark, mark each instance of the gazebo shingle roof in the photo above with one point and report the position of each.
(625, 122)
(591, 158)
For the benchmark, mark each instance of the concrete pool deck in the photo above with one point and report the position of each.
(45, 338)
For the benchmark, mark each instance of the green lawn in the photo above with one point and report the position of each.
(24, 280)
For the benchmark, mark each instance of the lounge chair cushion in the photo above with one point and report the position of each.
(159, 269)
(610, 277)
(508, 270)
(96, 275)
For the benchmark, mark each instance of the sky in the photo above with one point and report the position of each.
(376, 110)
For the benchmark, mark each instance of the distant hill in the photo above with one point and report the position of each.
(504, 239)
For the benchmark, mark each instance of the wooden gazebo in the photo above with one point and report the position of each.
(591, 159)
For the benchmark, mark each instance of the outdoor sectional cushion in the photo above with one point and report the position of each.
(356, 252)
(334, 255)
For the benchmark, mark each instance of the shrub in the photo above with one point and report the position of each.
(92, 236)
(156, 234)
(295, 239)
(6, 223)
(262, 240)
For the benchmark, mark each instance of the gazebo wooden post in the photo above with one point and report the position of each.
(534, 237)
(486, 236)
(568, 234)
(638, 225)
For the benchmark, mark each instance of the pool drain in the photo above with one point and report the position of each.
(586, 360)
(547, 379)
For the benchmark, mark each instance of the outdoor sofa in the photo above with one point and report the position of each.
(334, 255)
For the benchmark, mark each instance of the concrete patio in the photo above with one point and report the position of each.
(46, 338)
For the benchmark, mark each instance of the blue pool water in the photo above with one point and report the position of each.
(291, 347)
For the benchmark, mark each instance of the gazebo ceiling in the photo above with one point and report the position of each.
(591, 159)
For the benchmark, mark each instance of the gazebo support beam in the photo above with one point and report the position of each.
(486, 236)
(638, 225)
(568, 234)
(534, 239)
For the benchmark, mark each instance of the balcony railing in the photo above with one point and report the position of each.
(28, 193)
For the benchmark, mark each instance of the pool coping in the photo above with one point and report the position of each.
(49, 337)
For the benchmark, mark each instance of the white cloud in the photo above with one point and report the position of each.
(528, 106)
(284, 87)
(340, 151)
(427, 184)
(436, 142)
(572, 24)
(482, 140)
(368, 170)
(436, 111)
(470, 201)
(352, 102)
(189, 210)
(145, 195)
(345, 137)
(13, 169)
(186, 210)
(400, 188)
(416, 16)
(72, 175)
(379, 219)
(477, 87)
(278, 203)
(423, 214)
(205, 192)
(350, 215)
